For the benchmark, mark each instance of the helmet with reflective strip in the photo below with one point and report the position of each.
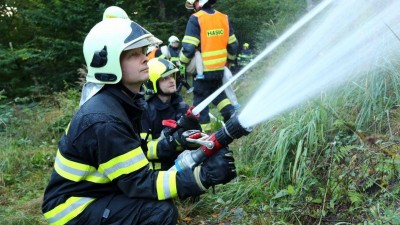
(159, 68)
(104, 44)
(114, 12)
(189, 4)
(173, 39)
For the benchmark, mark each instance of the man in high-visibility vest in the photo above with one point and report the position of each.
(210, 32)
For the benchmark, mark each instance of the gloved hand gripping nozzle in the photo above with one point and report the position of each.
(220, 139)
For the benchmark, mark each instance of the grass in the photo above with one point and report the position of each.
(333, 160)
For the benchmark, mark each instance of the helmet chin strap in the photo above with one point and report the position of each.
(160, 92)
(128, 92)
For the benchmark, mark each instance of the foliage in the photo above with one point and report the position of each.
(42, 43)
(28, 141)
(333, 160)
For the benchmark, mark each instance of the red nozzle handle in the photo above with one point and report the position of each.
(169, 123)
(190, 113)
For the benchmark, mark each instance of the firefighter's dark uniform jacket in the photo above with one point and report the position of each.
(245, 56)
(171, 54)
(161, 153)
(100, 154)
(210, 32)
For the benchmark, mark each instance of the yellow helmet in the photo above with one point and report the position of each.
(246, 45)
(159, 68)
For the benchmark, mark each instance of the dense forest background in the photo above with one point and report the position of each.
(41, 40)
(334, 159)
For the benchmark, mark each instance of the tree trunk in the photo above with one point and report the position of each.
(310, 4)
(162, 9)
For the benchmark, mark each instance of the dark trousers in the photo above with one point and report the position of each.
(203, 89)
(122, 210)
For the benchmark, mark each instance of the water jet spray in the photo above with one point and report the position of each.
(329, 54)
(233, 129)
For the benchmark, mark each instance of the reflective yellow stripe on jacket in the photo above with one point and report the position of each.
(124, 164)
(67, 210)
(78, 171)
(166, 185)
(152, 150)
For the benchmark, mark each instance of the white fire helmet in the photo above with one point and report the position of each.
(189, 4)
(104, 44)
(173, 39)
(202, 2)
(114, 12)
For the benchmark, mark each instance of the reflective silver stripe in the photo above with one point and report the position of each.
(77, 171)
(166, 185)
(68, 210)
(127, 166)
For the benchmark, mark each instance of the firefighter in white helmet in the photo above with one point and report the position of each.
(91, 88)
(210, 32)
(101, 174)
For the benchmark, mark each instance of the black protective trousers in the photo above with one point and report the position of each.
(203, 89)
(121, 210)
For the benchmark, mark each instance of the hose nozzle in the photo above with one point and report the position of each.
(233, 129)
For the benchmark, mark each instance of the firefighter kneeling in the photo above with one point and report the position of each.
(101, 174)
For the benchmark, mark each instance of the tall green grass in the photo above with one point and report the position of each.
(29, 133)
(314, 163)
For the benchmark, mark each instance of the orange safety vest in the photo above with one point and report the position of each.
(152, 54)
(214, 36)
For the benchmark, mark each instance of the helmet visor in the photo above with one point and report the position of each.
(139, 37)
(142, 43)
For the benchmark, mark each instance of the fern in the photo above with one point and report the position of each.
(342, 152)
